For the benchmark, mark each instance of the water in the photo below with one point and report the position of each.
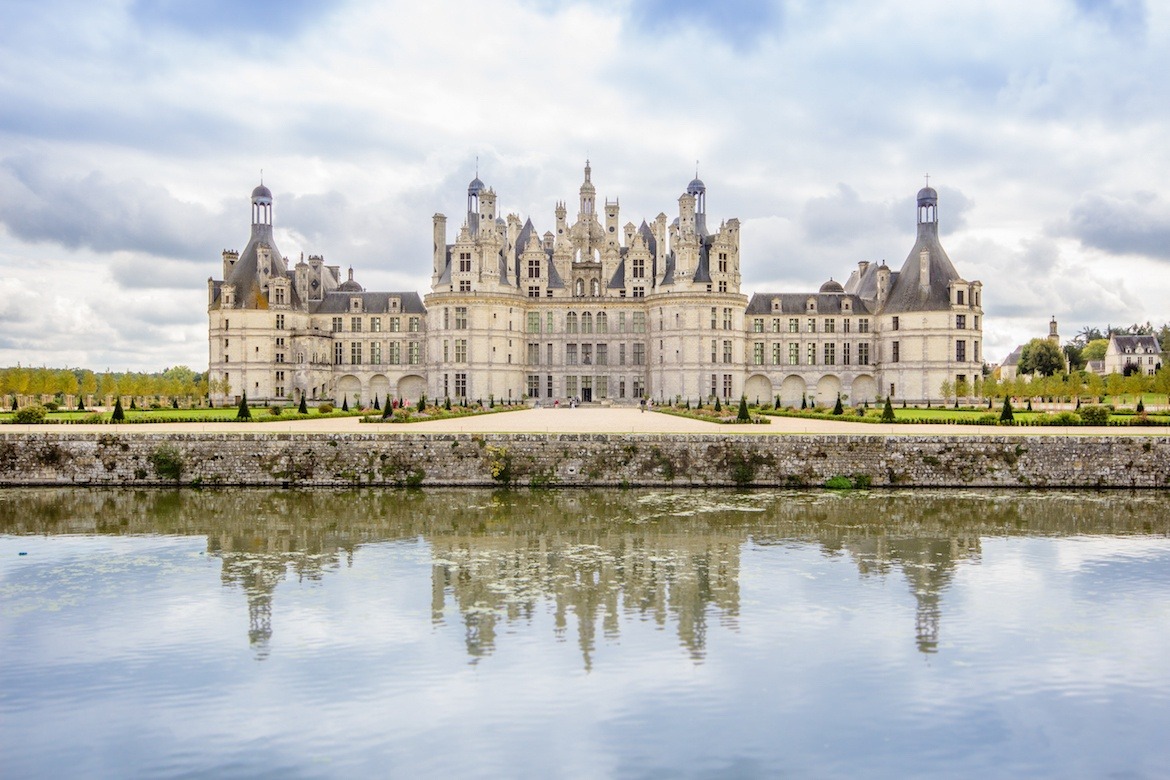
(632, 634)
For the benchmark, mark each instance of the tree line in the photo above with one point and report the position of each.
(65, 385)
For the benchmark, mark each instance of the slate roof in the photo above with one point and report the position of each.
(1136, 345)
(906, 293)
(797, 303)
(337, 302)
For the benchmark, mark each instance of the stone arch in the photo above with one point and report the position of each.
(411, 387)
(828, 387)
(349, 390)
(759, 387)
(379, 388)
(864, 389)
(792, 390)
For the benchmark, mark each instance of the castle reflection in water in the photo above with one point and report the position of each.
(588, 557)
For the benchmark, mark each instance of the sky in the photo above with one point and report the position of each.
(133, 131)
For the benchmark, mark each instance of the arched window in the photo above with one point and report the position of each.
(595, 288)
(579, 288)
(571, 322)
(602, 322)
(586, 322)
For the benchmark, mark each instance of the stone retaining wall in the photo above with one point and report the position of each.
(311, 460)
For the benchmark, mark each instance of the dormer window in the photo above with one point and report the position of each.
(394, 302)
(776, 304)
(355, 304)
(812, 304)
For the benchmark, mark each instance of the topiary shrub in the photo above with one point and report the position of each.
(345, 404)
(276, 411)
(1094, 415)
(30, 415)
(837, 407)
(52, 406)
(244, 413)
(325, 408)
(718, 408)
(1141, 406)
(118, 415)
(304, 407)
(1006, 415)
(743, 415)
(888, 411)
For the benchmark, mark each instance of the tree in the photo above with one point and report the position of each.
(1006, 415)
(304, 407)
(743, 415)
(718, 408)
(837, 407)
(376, 404)
(345, 403)
(387, 410)
(118, 415)
(963, 389)
(244, 413)
(1094, 350)
(888, 411)
(946, 389)
(1041, 356)
(1073, 352)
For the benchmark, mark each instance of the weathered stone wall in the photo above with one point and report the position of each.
(306, 460)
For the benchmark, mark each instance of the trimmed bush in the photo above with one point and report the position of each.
(345, 404)
(304, 407)
(888, 411)
(743, 415)
(118, 415)
(30, 415)
(1095, 415)
(276, 411)
(1006, 415)
(837, 407)
(325, 408)
(244, 413)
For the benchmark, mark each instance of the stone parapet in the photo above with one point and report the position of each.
(581, 460)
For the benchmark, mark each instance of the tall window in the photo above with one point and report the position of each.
(376, 352)
(571, 322)
(413, 325)
(863, 354)
(570, 354)
(337, 324)
(727, 319)
(863, 325)
(758, 325)
(460, 350)
(758, 353)
(639, 322)
(812, 354)
(533, 354)
(960, 321)
(639, 268)
(714, 350)
(793, 354)
(534, 268)
(895, 352)
(714, 318)
(727, 351)
(587, 354)
(830, 325)
(461, 385)
(793, 325)
(812, 324)
(376, 324)
(777, 352)
(355, 352)
(639, 354)
(414, 353)
(279, 322)
(897, 323)
(355, 324)
(395, 352)
(586, 322)
(395, 325)
(961, 351)
(602, 322)
(338, 353)
(830, 354)
(461, 318)
(727, 385)
(845, 353)
(602, 354)
(722, 262)
(465, 262)
(534, 322)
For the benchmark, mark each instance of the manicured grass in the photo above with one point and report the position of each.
(199, 415)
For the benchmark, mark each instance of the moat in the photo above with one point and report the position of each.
(584, 633)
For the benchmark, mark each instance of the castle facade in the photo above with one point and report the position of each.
(591, 309)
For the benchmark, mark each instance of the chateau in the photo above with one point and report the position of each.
(592, 309)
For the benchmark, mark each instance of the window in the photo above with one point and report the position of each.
(549, 385)
(586, 322)
(714, 385)
(727, 319)
(534, 268)
(758, 353)
(376, 352)
(714, 318)
(595, 289)
(587, 354)
(812, 324)
(777, 353)
(279, 295)
(337, 324)
(465, 262)
(548, 352)
(714, 350)
(395, 325)
(602, 354)
(975, 351)
(896, 323)
(722, 286)
(571, 322)
(845, 353)
(279, 341)
(464, 285)
(830, 325)
(446, 350)
(414, 353)
(960, 321)
(639, 292)
(727, 351)
(412, 325)
(961, 351)
(638, 390)
(639, 322)
(602, 387)
(279, 357)
(460, 350)
(895, 352)
(639, 354)
(602, 322)
(460, 318)
(533, 292)
(793, 354)
(571, 386)
(534, 322)
(863, 354)
(758, 325)
(621, 354)
(461, 385)
(639, 268)
(355, 352)
(279, 322)
(727, 385)
(570, 354)
(395, 352)
(812, 354)
(534, 385)
(579, 288)
(548, 325)
(975, 323)
(722, 262)
(830, 354)
(338, 353)
(355, 324)
(846, 325)
(375, 324)
(863, 325)
(533, 354)
(959, 297)
(775, 324)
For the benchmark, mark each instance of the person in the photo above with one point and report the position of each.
(643, 404)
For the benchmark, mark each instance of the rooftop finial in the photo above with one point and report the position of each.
(477, 166)
(261, 175)
(927, 180)
(696, 169)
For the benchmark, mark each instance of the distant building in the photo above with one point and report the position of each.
(596, 310)
(1009, 369)
(1135, 353)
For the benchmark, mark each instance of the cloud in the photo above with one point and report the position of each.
(95, 212)
(737, 24)
(1134, 224)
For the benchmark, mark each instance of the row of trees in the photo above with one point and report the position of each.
(179, 382)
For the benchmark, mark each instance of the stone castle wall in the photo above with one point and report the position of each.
(580, 460)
